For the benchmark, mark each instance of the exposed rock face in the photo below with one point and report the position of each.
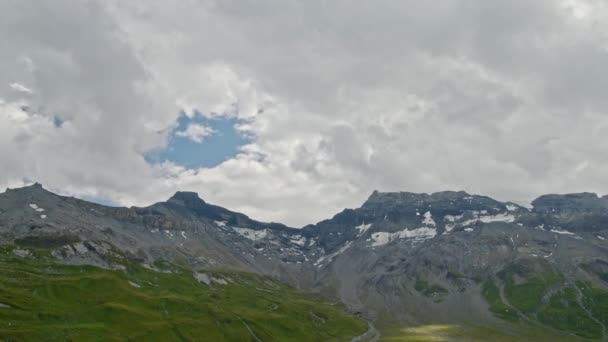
(575, 212)
(415, 257)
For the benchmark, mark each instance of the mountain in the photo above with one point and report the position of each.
(452, 258)
(447, 264)
(178, 270)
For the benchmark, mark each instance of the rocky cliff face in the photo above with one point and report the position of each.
(411, 257)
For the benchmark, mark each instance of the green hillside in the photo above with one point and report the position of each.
(42, 300)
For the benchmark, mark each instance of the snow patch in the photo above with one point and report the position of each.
(563, 232)
(382, 238)
(221, 224)
(497, 218)
(452, 218)
(330, 257)
(423, 233)
(468, 222)
(43, 216)
(511, 207)
(36, 207)
(184, 235)
(601, 237)
(503, 217)
(469, 230)
(251, 234)
(298, 240)
(428, 219)
(362, 228)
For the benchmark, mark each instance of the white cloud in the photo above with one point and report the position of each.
(504, 98)
(196, 132)
(20, 88)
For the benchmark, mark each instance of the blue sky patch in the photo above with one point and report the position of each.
(57, 122)
(222, 144)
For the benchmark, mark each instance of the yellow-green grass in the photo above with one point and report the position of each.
(471, 332)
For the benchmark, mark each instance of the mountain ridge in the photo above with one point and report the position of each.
(401, 257)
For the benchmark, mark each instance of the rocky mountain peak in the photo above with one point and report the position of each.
(575, 212)
(36, 187)
(577, 201)
(444, 202)
(34, 192)
(187, 198)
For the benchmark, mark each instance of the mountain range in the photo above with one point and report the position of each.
(403, 266)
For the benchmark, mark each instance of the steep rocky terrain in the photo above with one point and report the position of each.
(451, 257)
(400, 260)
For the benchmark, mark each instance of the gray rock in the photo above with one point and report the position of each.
(80, 248)
(134, 284)
(202, 278)
(22, 253)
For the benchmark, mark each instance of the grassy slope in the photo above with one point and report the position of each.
(527, 297)
(564, 313)
(560, 318)
(491, 294)
(595, 300)
(55, 302)
(560, 310)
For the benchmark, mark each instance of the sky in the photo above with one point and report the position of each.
(291, 110)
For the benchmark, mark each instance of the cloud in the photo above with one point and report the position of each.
(20, 88)
(196, 132)
(336, 98)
